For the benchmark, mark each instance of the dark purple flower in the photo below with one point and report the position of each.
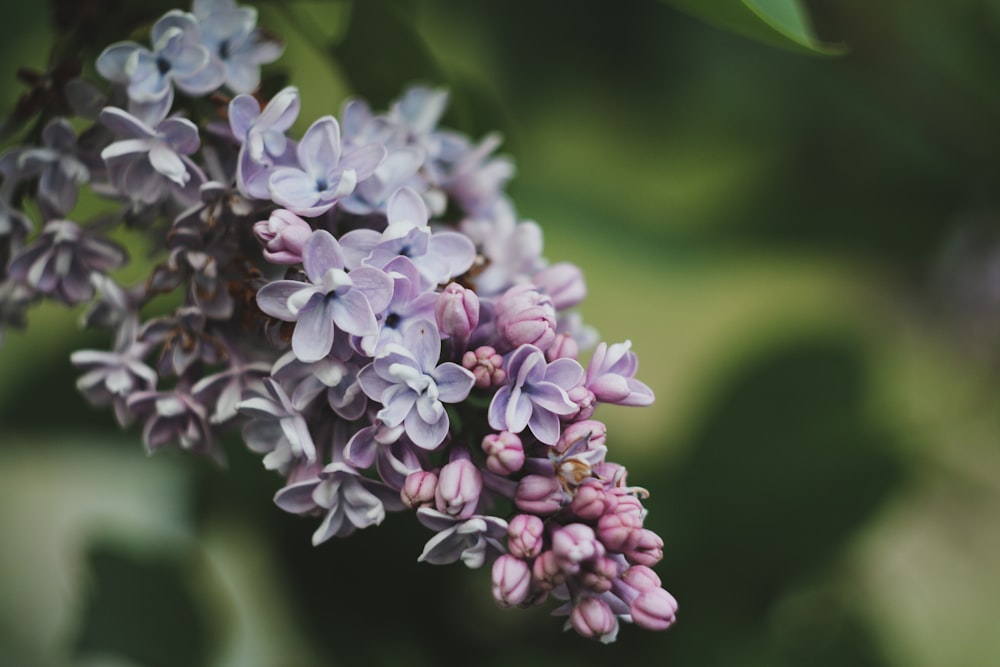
(112, 376)
(333, 296)
(60, 261)
(535, 395)
(173, 417)
(58, 166)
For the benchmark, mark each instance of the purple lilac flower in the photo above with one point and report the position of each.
(178, 58)
(348, 500)
(438, 256)
(151, 159)
(284, 236)
(535, 395)
(592, 617)
(276, 428)
(111, 377)
(325, 173)
(419, 489)
(409, 303)
(471, 176)
(264, 142)
(335, 375)
(513, 249)
(611, 376)
(173, 417)
(473, 539)
(525, 315)
(184, 341)
(459, 485)
(60, 261)
(386, 448)
(58, 166)
(230, 33)
(413, 388)
(225, 390)
(333, 296)
(511, 581)
(398, 169)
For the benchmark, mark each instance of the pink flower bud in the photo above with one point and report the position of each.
(419, 489)
(458, 488)
(648, 549)
(595, 430)
(525, 534)
(511, 580)
(654, 609)
(504, 452)
(641, 578)
(585, 402)
(593, 618)
(546, 571)
(283, 235)
(599, 574)
(486, 365)
(591, 501)
(538, 494)
(457, 311)
(525, 316)
(575, 544)
(564, 284)
(619, 531)
(563, 347)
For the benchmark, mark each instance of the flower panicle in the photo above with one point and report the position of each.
(378, 353)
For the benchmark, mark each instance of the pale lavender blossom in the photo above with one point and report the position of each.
(151, 160)
(262, 134)
(412, 387)
(230, 33)
(333, 296)
(473, 540)
(61, 260)
(177, 58)
(276, 428)
(524, 315)
(335, 375)
(387, 449)
(348, 500)
(512, 249)
(225, 390)
(398, 169)
(470, 174)
(438, 256)
(611, 376)
(325, 172)
(535, 395)
(409, 303)
(564, 284)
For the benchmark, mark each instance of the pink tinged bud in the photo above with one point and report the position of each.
(546, 571)
(591, 501)
(641, 578)
(595, 430)
(654, 609)
(539, 494)
(564, 284)
(486, 365)
(563, 347)
(648, 549)
(575, 544)
(511, 580)
(619, 531)
(504, 452)
(585, 402)
(457, 311)
(599, 574)
(283, 234)
(526, 316)
(419, 489)
(593, 619)
(458, 489)
(525, 534)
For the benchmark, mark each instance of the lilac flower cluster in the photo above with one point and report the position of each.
(360, 301)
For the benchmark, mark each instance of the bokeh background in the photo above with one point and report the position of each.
(805, 253)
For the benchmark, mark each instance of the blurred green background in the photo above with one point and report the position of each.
(805, 253)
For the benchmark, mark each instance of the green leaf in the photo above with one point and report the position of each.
(781, 23)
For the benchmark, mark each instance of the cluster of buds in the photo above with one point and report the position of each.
(361, 302)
